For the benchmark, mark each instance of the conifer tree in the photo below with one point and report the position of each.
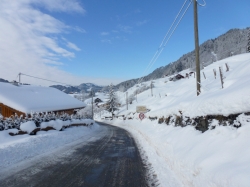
(112, 104)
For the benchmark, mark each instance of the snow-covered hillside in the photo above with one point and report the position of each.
(185, 156)
(180, 96)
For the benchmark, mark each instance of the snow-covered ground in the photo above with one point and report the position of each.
(171, 97)
(21, 148)
(185, 156)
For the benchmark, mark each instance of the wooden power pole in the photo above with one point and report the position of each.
(197, 56)
(92, 110)
(248, 43)
(19, 78)
(151, 85)
(127, 99)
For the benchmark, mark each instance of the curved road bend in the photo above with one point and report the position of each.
(111, 161)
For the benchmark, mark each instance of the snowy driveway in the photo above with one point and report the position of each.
(110, 159)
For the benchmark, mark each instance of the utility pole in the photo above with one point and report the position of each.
(92, 104)
(127, 99)
(19, 78)
(151, 88)
(197, 56)
(136, 95)
(248, 43)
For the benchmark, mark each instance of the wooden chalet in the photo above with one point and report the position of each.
(26, 99)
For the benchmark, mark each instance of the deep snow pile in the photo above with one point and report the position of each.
(186, 157)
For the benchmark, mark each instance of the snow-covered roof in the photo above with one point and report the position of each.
(27, 98)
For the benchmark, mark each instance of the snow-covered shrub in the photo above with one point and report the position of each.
(241, 120)
(86, 112)
(28, 126)
(15, 121)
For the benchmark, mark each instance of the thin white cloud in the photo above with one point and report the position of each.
(124, 28)
(73, 46)
(59, 5)
(104, 33)
(78, 29)
(106, 41)
(140, 23)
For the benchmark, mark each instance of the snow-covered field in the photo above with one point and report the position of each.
(171, 97)
(185, 156)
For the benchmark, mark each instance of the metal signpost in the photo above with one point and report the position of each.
(141, 116)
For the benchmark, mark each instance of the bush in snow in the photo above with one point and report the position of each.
(28, 126)
(241, 120)
(86, 112)
(15, 121)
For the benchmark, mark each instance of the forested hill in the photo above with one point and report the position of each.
(231, 43)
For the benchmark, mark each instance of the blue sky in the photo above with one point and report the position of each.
(103, 41)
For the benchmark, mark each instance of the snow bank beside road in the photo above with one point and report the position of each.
(218, 157)
(14, 149)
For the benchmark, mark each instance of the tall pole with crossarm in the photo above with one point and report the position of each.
(197, 56)
(248, 42)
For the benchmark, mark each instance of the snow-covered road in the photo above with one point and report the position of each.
(105, 156)
(17, 152)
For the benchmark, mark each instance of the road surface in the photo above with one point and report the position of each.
(111, 161)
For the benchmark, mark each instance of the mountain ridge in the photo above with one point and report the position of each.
(233, 42)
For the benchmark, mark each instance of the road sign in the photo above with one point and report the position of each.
(141, 109)
(141, 116)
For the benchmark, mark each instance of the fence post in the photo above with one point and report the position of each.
(127, 99)
(204, 75)
(221, 77)
(151, 85)
(214, 73)
(227, 67)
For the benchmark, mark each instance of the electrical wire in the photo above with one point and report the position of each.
(44, 79)
(149, 65)
(158, 53)
(172, 33)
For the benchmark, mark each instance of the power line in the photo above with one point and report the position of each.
(172, 33)
(160, 49)
(151, 61)
(44, 79)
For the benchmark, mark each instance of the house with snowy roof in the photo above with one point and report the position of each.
(26, 99)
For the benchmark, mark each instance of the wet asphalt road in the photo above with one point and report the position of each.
(111, 161)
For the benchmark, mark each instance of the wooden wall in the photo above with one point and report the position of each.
(8, 111)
